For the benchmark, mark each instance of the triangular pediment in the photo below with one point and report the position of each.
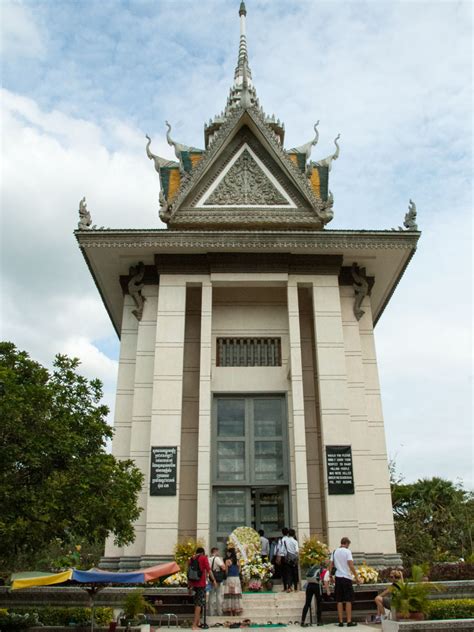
(245, 182)
(245, 179)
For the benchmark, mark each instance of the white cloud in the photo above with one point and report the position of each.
(20, 35)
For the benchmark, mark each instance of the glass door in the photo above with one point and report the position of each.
(250, 470)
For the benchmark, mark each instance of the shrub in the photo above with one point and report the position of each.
(184, 550)
(451, 609)
(313, 551)
(57, 616)
(14, 622)
(451, 571)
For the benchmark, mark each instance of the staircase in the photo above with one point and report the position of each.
(277, 607)
(282, 607)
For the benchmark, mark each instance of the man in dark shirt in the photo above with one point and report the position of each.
(199, 585)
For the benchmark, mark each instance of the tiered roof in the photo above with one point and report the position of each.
(304, 183)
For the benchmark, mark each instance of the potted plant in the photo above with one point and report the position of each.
(410, 597)
(135, 607)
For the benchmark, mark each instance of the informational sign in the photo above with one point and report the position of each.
(163, 471)
(339, 469)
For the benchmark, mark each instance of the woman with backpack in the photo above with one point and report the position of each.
(232, 587)
(317, 580)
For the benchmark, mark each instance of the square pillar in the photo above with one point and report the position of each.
(297, 427)
(334, 401)
(162, 512)
(204, 438)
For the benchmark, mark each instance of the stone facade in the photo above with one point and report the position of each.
(247, 265)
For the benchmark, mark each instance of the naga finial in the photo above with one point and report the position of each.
(157, 160)
(327, 162)
(410, 217)
(178, 147)
(307, 147)
(85, 219)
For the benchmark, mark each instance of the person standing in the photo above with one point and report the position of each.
(341, 560)
(198, 571)
(232, 587)
(280, 559)
(216, 593)
(290, 544)
(264, 546)
(317, 580)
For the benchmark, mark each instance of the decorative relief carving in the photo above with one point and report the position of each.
(245, 183)
(361, 289)
(271, 239)
(135, 286)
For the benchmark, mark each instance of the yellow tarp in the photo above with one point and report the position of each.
(41, 580)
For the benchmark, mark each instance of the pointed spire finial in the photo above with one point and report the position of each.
(242, 10)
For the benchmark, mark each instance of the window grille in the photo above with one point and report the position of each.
(248, 352)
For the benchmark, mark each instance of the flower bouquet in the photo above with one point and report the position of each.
(367, 574)
(178, 579)
(312, 552)
(245, 541)
(255, 585)
(256, 569)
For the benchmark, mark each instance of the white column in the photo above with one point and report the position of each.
(333, 399)
(163, 511)
(364, 474)
(376, 433)
(141, 414)
(204, 440)
(124, 397)
(297, 428)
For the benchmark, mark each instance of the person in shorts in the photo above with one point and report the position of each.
(384, 599)
(341, 560)
(199, 585)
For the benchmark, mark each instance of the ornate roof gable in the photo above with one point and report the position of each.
(245, 179)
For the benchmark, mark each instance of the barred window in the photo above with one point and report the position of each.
(248, 352)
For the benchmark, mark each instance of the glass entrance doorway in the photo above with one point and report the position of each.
(250, 465)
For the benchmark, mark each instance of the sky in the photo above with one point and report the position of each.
(84, 81)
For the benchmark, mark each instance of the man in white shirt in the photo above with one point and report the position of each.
(216, 593)
(341, 560)
(264, 545)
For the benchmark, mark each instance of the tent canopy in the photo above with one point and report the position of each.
(93, 576)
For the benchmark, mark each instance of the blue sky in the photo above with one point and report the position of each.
(84, 81)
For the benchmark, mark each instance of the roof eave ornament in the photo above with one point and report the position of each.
(327, 162)
(409, 222)
(307, 147)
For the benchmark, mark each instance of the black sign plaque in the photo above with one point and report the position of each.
(163, 471)
(339, 468)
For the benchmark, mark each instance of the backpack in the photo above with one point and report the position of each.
(194, 570)
(313, 576)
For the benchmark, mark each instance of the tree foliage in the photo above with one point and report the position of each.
(57, 482)
(433, 520)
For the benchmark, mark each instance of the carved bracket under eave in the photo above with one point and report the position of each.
(135, 286)
(361, 289)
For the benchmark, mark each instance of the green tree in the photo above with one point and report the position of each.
(57, 482)
(433, 520)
